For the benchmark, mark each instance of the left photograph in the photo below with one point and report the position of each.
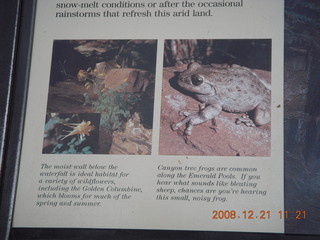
(101, 97)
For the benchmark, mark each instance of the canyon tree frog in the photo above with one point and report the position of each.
(227, 88)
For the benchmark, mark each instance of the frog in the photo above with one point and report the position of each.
(222, 87)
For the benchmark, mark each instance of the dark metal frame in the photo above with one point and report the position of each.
(19, 23)
(15, 58)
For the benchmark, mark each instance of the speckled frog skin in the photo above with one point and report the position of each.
(227, 88)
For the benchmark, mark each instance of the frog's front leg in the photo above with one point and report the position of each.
(197, 118)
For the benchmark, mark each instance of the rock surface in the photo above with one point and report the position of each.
(220, 137)
(67, 97)
(134, 139)
(136, 80)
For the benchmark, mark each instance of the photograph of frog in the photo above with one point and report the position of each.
(112, 78)
(216, 98)
(67, 133)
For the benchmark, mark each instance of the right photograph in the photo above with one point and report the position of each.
(216, 98)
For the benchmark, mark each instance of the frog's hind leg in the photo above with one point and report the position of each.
(245, 119)
(262, 113)
(261, 116)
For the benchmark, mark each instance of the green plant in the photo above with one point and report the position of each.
(114, 105)
(72, 147)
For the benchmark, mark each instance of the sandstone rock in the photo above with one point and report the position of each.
(135, 80)
(133, 140)
(67, 97)
(89, 48)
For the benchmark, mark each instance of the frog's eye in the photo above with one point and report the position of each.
(196, 80)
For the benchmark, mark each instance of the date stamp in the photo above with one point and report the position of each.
(261, 214)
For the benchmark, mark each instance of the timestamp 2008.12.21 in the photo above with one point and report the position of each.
(260, 214)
